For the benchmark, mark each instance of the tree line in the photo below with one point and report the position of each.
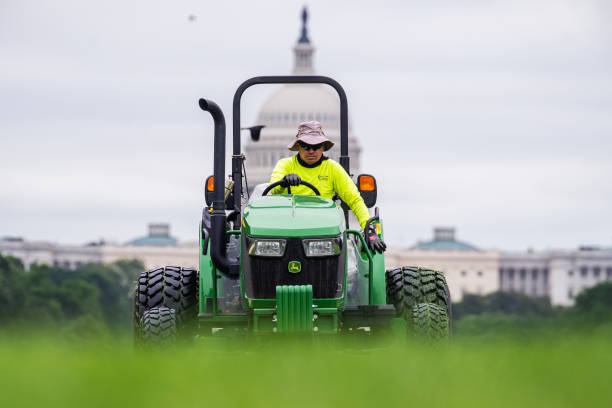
(513, 313)
(93, 298)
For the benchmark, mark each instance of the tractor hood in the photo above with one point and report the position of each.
(293, 216)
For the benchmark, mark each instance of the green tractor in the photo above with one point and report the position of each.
(285, 263)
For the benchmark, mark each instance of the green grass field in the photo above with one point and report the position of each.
(543, 372)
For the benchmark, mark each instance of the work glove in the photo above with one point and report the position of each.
(291, 179)
(373, 240)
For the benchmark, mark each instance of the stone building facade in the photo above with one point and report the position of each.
(524, 272)
(467, 269)
(557, 274)
(156, 249)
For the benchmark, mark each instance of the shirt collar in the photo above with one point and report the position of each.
(310, 166)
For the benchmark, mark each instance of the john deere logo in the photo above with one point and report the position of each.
(295, 267)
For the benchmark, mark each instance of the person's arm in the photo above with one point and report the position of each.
(348, 192)
(280, 170)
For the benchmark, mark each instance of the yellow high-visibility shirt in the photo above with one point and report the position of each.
(329, 177)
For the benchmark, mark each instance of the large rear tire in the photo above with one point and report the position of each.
(172, 287)
(158, 327)
(430, 323)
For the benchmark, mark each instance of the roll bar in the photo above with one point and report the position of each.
(287, 79)
(218, 251)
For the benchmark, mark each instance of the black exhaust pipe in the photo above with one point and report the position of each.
(218, 251)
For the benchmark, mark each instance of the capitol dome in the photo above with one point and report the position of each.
(286, 108)
(298, 98)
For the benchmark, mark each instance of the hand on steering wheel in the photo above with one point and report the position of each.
(291, 179)
(284, 183)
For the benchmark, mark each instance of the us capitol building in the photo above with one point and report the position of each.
(290, 105)
(558, 274)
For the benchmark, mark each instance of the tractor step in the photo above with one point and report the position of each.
(368, 315)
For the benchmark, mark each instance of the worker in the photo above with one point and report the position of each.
(327, 175)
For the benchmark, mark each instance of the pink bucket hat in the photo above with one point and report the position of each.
(311, 133)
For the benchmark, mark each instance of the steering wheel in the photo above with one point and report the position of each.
(278, 183)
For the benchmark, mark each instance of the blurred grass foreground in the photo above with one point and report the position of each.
(543, 372)
(65, 341)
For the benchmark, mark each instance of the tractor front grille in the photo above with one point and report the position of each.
(262, 274)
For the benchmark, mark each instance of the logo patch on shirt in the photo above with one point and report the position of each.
(323, 178)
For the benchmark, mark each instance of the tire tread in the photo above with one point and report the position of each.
(430, 322)
(410, 285)
(171, 287)
(158, 327)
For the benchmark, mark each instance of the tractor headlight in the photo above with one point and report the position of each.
(321, 247)
(267, 247)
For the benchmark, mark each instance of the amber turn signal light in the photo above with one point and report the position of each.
(366, 183)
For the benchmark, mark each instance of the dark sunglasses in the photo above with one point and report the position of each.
(306, 146)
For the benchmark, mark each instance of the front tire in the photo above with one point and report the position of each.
(410, 286)
(158, 327)
(430, 323)
(172, 287)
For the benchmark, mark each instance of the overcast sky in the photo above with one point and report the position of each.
(494, 117)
